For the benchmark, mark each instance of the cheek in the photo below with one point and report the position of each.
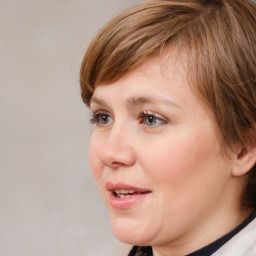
(95, 164)
(183, 165)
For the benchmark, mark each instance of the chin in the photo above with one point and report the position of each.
(129, 233)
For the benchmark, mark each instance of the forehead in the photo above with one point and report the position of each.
(169, 64)
(155, 71)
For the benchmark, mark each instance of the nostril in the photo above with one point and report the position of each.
(116, 165)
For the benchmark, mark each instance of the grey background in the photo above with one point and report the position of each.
(49, 203)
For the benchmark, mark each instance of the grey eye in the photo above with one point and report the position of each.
(151, 120)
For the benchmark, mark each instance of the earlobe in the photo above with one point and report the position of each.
(245, 160)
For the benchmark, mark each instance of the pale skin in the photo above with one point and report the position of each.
(152, 133)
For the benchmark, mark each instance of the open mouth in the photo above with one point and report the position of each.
(124, 193)
(123, 196)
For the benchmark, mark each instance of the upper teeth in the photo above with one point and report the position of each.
(124, 191)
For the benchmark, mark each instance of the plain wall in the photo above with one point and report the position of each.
(50, 205)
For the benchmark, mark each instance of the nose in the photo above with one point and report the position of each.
(117, 149)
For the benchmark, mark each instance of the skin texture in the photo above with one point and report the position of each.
(151, 132)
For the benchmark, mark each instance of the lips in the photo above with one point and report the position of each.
(123, 196)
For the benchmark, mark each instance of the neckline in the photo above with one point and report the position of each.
(214, 246)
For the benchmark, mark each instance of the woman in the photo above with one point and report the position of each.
(172, 88)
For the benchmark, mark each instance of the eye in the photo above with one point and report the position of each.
(101, 118)
(152, 119)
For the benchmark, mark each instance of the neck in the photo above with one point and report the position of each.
(199, 242)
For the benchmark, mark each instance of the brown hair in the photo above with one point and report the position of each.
(220, 36)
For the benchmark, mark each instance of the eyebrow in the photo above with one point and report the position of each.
(138, 101)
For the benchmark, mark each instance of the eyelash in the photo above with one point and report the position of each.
(146, 114)
(96, 118)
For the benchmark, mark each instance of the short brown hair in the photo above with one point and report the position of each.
(220, 36)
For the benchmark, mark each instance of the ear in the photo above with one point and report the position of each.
(245, 159)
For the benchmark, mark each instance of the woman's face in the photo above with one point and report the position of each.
(157, 160)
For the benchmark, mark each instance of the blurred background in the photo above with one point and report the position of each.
(49, 203)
